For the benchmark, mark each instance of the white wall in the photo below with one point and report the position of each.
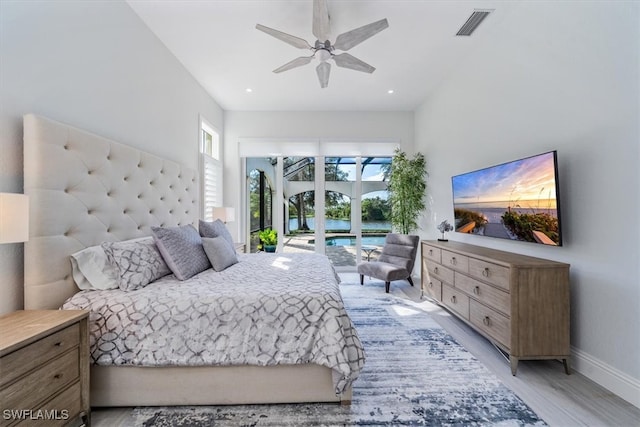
(572, 88)
(337, 125)
(96, 66)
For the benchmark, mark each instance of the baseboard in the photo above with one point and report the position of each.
(619, 383)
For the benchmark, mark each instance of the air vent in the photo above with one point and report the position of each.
(472, 23)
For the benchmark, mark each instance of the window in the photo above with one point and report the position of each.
(211, 169)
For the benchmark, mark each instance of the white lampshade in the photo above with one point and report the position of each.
(14, 218)
(224, 214)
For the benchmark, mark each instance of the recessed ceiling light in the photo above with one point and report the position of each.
(249, 90)
(390, 91)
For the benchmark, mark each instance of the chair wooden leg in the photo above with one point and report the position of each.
(362, 279)
(386, 286)
(410, 280)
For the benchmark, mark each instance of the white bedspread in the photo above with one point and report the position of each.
(267, 309)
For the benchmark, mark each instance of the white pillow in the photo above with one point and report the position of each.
(91, 269)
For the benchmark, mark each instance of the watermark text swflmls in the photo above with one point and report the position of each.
(35, 414)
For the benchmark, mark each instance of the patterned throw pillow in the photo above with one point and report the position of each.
(181, 248)
(137, 262)
(215, 229)
(220, 252)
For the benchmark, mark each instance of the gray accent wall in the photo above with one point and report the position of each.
(574, 88)
(96, 66)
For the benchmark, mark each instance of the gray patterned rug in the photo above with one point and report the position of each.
(415, 374)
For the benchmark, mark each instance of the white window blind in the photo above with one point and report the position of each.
(211, 185)
(211, 168)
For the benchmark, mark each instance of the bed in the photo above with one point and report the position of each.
(85, 190)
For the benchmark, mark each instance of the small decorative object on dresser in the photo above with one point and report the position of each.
(444, 227)
(44, 367)
(520, 303)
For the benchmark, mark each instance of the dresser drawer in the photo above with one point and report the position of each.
(490, 322)
(487, 294)
(456, 301)
(431, 253)
(455, 261)
(491, 273)
(432, 287)
(33, 355)
(443, 273)
(47, 380)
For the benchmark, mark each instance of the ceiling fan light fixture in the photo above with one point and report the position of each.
(323, 49)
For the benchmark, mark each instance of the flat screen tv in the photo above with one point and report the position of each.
(517, 200)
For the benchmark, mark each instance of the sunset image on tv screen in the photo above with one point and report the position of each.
(515, 200)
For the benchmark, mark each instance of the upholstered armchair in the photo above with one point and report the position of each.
(396, 261)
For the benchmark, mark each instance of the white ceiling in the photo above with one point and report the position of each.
(218, 44)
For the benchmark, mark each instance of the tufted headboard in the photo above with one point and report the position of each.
(83, 190)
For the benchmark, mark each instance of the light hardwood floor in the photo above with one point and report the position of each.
(561, 400)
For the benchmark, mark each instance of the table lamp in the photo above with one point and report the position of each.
(224, 214)
(14, 218)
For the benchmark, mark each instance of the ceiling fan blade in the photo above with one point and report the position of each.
(287, 38)
(323, 69)
(345, 60)
(346, 41)
(298, 62)
(321, 28)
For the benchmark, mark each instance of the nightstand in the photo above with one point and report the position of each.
(44, 368)
(239, 247)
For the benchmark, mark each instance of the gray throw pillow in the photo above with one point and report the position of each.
(215, 229)
(181, 248)
(220, 253)
(137, 262)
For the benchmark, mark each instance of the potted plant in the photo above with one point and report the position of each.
(269, 239)
(407, 190)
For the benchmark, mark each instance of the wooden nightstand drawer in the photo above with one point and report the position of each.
(455, 261)
(21, 361)
(70, 400)
(27, 392)
(456, 301)
(490, 322)
(44, 356)
(490, 273)
(487, 294)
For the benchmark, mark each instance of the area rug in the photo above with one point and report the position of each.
(415, 374)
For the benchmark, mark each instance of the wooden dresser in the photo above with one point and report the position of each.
(44, 368)
(519, 303)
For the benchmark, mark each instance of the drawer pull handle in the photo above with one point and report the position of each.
(476, 290)
(57, 376)
(431, 284)
(485, 272)
(453, 299)
(435, 270)
(453, 261)
(58, 344)
(486, 321)
(430, 251)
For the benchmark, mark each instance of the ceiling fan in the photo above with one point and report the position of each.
(323, 49)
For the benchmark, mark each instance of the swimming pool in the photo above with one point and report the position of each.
(375, 240)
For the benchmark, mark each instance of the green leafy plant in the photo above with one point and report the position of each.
(407, 190)
(268, 237)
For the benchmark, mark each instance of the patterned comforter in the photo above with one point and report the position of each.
(267, 309)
